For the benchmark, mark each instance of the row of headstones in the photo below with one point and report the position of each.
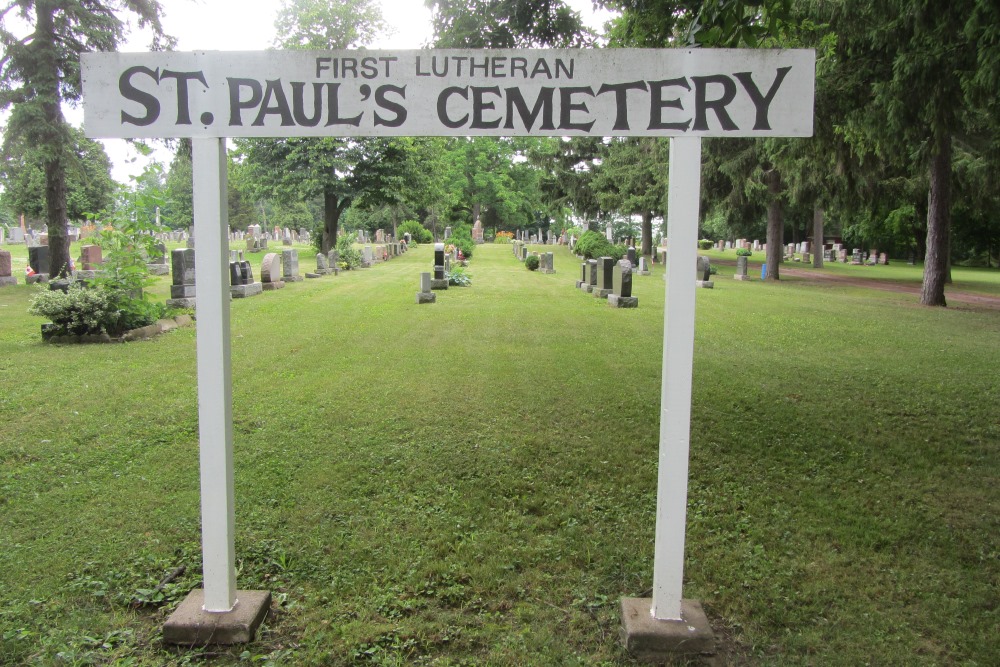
(438, 280)
(39, 266)
(541, 238)
(33, 238)
(607, 279)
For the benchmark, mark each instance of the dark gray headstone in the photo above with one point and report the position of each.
(592, 275)
(182, 266)
(621, 283)
(38, 258)
(236, 274)
(704, 268)
(631, 256)
(605, 269)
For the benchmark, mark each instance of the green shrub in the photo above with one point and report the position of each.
(350, 257)
(593, 245)
(418, 233)
(704, 244)
(461, 238)
(531, 262)
(743, 252)
(459, 277)
(84, 311)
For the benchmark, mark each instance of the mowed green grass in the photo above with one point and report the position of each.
(473, 482)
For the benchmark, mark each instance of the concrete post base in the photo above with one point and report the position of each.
(426, 297)
(707, 284)
(7, 280)
(653, 640)
(739, 277)
(601, 293)
(269, 287)
(439, 283)
(193, 626)
(616, 301)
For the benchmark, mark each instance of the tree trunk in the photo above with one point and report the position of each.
(333, 207)
(817, 236)
(920, 237)
(54, 142)
(476, 210)
(938, 224)
(647, 235)
(775, 225)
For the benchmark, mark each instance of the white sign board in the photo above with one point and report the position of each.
(558, 92)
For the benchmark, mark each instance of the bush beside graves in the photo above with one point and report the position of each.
(418, 233)
(743, 252)
(704, 244)
(531, 262)
(81, 311)
(350, 257)
(459, 277)
(593, 245)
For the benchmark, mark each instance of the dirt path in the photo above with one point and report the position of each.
(951, 296)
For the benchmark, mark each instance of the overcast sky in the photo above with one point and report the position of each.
(248, 25)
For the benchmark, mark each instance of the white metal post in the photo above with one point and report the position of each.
(678, 364)
(215, 386)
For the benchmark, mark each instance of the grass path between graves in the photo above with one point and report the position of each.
(473, 481)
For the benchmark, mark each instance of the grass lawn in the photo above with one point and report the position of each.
(473, 481)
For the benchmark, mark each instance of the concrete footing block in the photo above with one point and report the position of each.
(657, 641)
(739, 277)
(706, 284)
(439, 283)
(270, 287)
(426, 297)
(616, 301)
(601, 293)
(191, 625)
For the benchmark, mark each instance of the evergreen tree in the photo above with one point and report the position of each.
(42, 69)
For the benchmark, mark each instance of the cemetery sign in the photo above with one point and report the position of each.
(557, 92)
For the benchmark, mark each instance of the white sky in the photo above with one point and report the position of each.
(248, 25)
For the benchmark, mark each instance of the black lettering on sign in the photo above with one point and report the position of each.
(479, 105)
(237, 104)
(543, 106)
(567, 107)
(621, 100)
(387, 104)
(183, 100)
(762, 102)
(702, 104)
(657, 104)
(442, 106)
(133, 94)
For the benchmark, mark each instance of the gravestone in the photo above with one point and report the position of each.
(182, 291)
(270, 272)
(547, 263)
(246, 286)
(704, 273)
(883, 259)
(605, 277)
(591, 284)
(6, 274)
(426, 293)
(290, 266)
(91, 257)
(621, 286)
(643, 267)
(3, 235)
(583, 275)
(157, 265)
(16, 235)
(322, 266)
(333, 259)
(741, 268)
(38, 260)
(631, 256)
(439, 281)
(367, 257)
(856, 257)
(477, 232)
